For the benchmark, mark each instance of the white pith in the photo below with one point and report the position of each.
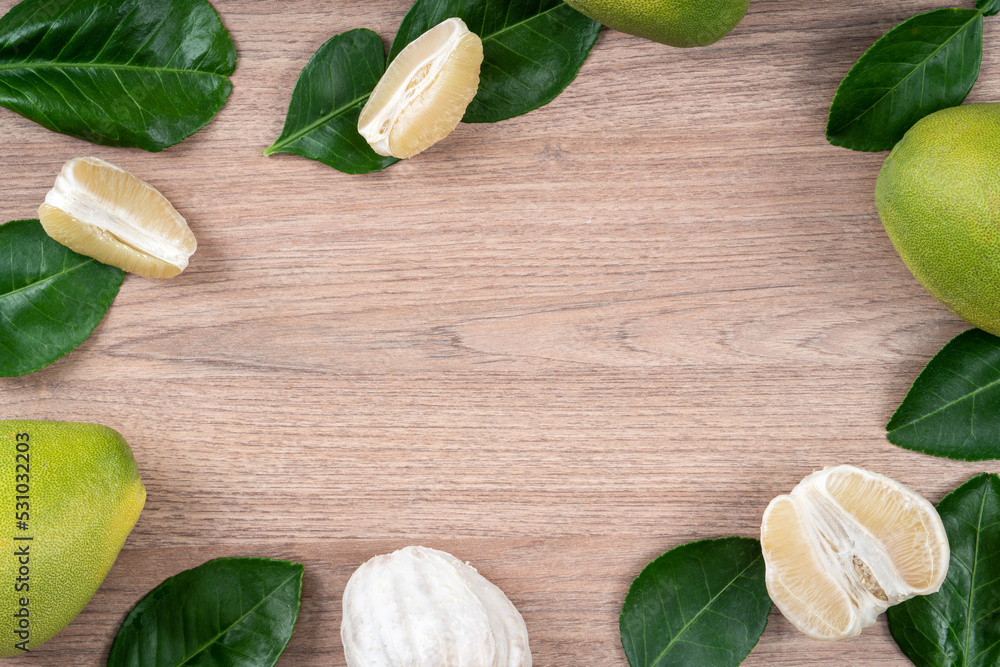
(845, 549)
(78, 201)
(378, 128)
(420, 607)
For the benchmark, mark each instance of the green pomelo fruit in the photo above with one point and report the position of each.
(80, 495)
(938, 196)
(673, 22)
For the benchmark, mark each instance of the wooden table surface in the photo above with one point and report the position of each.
(555, 346)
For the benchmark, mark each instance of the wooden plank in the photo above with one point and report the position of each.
(555, 346)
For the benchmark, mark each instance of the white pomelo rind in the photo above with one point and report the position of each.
(76, 199)
(853, 559)
(419, 607)
(399, 106)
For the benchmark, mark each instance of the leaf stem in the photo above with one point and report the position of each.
(102, 66)
(323, 120)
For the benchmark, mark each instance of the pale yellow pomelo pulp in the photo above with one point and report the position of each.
(104, 212)
(423, 94)
(845, 545)
(70, 494)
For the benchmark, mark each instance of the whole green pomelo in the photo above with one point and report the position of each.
(69, 496)
(673, 22)
(938, 196)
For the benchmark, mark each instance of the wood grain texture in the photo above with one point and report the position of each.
(555, 346)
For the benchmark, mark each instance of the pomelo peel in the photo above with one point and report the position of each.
(938, 196)
(684, 23)
(81, 495)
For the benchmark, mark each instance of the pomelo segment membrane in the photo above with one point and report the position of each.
(847, 544)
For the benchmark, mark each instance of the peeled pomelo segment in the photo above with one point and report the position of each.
(95, 242)
(423, 94)
(904, 523)
(845, 545)
(104, 212)
(798, 580)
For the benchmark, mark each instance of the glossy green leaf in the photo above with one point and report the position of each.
(50, 297)
(953, 408)
(229, 612)
(959, 626)
(924, 64)
(116, 72)
(322, 121)
(532, 49)
(702, 603)
(988, 7)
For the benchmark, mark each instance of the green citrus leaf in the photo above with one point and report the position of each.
(51, 298)
(229, 612)
(988, 7)
(960, 624)
(953, 408)
(532, 49)
(702, 603)
(926, 63)
(322, 121)
(116, 72)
